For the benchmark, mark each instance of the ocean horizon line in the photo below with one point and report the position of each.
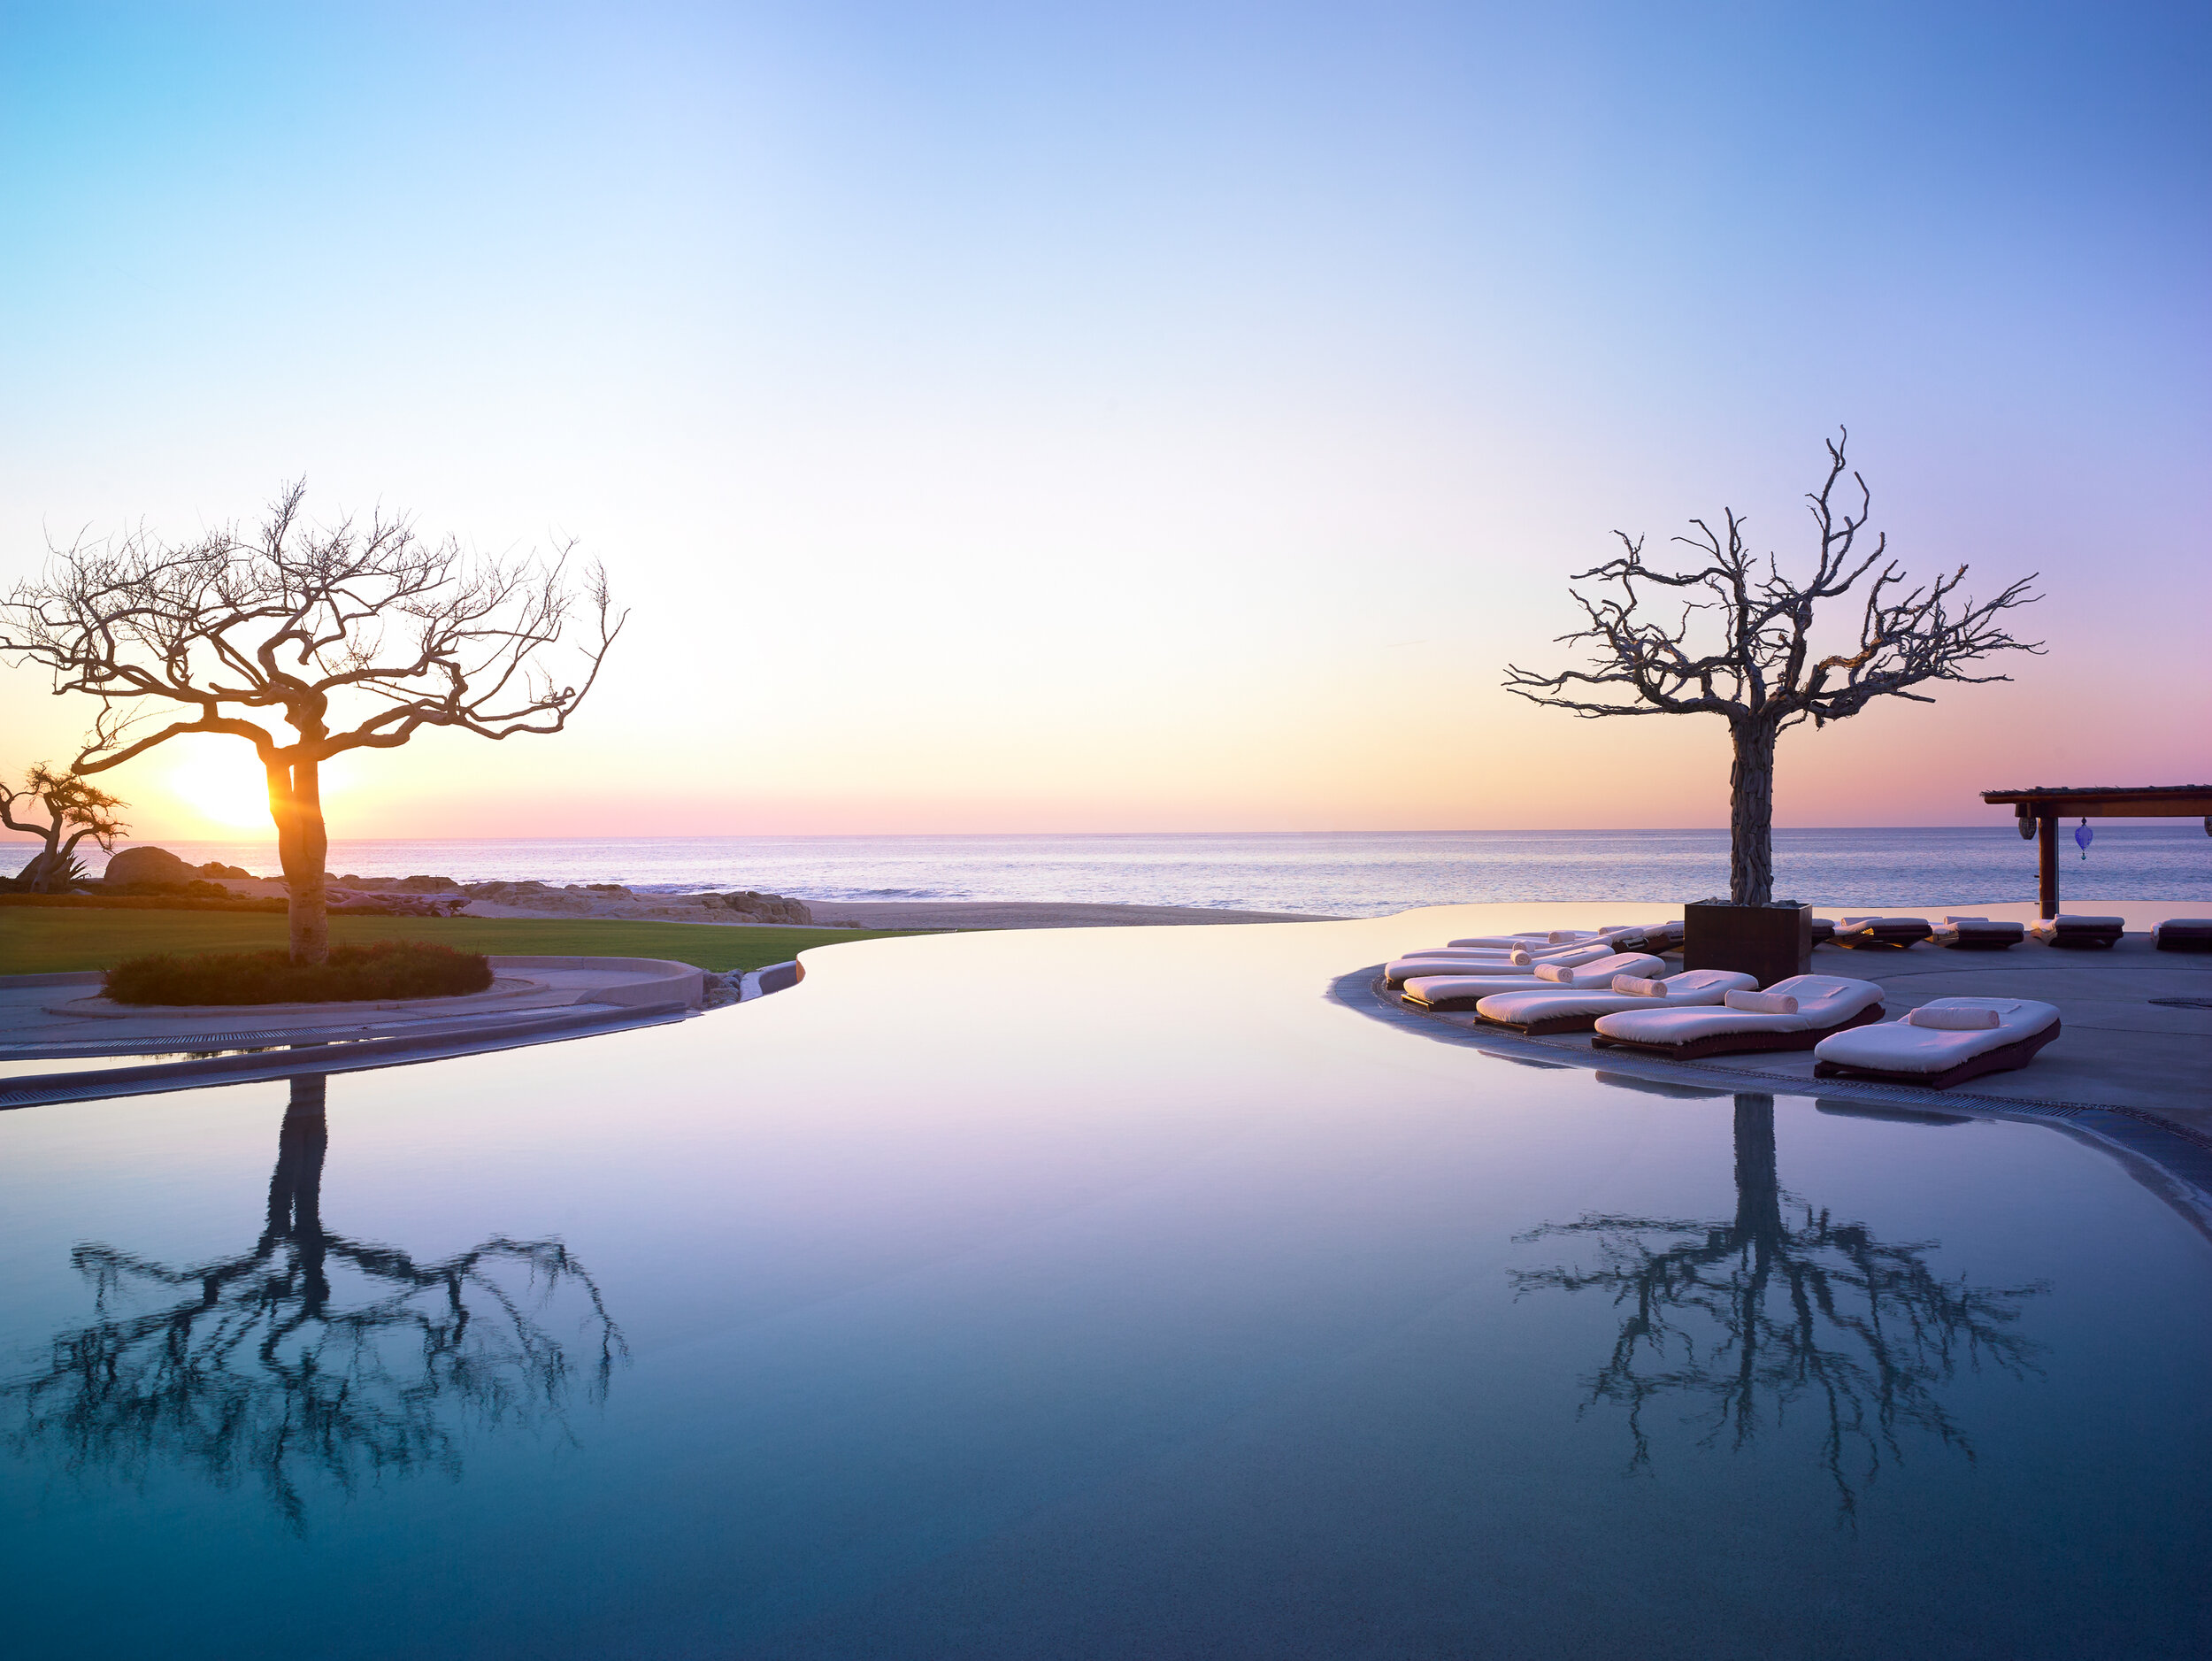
(2005, 824)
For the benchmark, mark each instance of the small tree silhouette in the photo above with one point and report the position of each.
(1782, 1304)
(67, 810)
(312, 1354)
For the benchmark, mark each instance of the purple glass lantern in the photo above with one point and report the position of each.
(2082, 834)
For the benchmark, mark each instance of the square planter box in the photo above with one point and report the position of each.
(1770, 942)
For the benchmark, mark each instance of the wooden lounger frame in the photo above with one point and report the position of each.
(2002, 1060)
(1547, 1023)
(1422, 1003)
(1732, 1043)
(2086, 939)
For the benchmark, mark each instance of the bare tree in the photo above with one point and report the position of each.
(358, 637)
(71, 809)
(1755, 663)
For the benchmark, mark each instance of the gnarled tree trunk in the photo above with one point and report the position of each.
(1751, 813)
(302, 847)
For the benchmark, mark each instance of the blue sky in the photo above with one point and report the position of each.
(1030, 418)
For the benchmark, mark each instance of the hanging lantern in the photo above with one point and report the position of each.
(2082, 834)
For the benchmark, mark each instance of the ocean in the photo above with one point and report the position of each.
(1343, 874)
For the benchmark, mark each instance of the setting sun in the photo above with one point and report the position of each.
(223, 785)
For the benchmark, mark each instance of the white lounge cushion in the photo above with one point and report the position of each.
(1954, 1019)
(1909, 1046)
(1494, 954)
(1637, 987)
(1823, 1000)
(1687, 990)
(1458, 988)
(1469, 988)
(1400, 969)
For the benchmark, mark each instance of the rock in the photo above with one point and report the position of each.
(767, 908)
(381, 905)
(148, 865)
(214, 868)
(505, 893)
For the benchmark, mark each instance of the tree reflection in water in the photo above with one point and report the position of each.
(1780, 1305)
(313, 1355)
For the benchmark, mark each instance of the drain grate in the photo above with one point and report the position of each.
(2184, 1003)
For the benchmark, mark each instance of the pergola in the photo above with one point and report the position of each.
(2040, 810)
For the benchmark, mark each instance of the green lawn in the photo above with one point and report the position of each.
(40, 940)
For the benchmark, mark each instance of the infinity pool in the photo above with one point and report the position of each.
(1085, 1294)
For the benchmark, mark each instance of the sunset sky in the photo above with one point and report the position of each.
(1070, 417)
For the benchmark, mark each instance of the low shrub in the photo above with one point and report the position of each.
(390, 969)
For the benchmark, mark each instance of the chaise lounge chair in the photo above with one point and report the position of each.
(1825, 1004)
(1938, 1045)
(2082, 933)
(2183, 934)
(1464, 991)
(1550, 1008)
(1978, 933)
(1399, 970)
(1885, 933)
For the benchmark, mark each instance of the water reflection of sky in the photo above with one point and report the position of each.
(1114, 1294)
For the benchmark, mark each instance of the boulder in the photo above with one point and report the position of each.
(766, 908)
(216, 868)
(149, 864)
(505, 893)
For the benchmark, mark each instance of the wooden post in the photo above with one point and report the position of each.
(2046, 862)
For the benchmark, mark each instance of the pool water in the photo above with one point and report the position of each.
(1086, 1293)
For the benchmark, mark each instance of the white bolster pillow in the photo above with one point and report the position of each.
(1562, 936)
(1635, 985)
(1953, 1019)
(1761, 1003)
(1520, 956)
(1553, 972)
